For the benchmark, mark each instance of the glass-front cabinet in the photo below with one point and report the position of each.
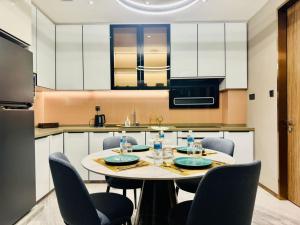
(140, 56)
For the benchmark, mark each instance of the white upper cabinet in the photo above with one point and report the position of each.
(15, 19)
(211, 50)
(183, 50)
(32, 48)
(69, 66)
(96, 55)
(236, 55)
(45, 51)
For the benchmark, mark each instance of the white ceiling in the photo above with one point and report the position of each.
(109, 11)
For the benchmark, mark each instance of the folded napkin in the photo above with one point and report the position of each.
(141, 163)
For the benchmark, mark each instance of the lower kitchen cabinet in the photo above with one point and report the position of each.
(95, 145)
(42, 169)
(76, 147)
(243, 150)
(182, 135)
(139, 136)
(170, 137)
(56, 145)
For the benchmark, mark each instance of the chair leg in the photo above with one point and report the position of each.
(107, 188)
(124, 192)
(134, 191)
(177, 190)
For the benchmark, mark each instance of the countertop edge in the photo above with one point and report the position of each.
(40, 133)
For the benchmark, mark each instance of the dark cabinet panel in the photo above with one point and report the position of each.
(140, 56)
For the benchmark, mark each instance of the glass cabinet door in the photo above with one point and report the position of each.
(125, 56)
(140, 56)
(155, 56)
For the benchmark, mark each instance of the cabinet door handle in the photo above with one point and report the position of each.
(153, 68)
(290, 126)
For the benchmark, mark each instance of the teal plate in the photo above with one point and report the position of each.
(140, 148)
(192, 162)
(121, 160)
(183, 149)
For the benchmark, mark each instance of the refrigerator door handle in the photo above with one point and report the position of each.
(15, 106)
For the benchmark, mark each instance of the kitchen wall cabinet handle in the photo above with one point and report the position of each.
(153, 69)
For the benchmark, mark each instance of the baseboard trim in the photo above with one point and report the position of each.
(270, 191)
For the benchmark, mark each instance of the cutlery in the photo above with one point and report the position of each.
(165, 164)
(130, 167)
(219, 162)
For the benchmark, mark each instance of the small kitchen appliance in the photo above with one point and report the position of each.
(99, 118)
(194, 93)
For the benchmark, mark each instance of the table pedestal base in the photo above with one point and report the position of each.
(157, 198)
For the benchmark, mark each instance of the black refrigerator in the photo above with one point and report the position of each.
(17, 157)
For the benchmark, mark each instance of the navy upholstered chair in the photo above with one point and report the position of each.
(119, 183)
(218, 144)
(77, 206)
(225, 196)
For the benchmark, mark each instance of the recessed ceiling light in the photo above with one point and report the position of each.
(148, 36)
(91, 2)
(145, 7)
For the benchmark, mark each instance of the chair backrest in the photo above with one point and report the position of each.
(219, 144)
(226, 196)
(114, 142)
(74, 202)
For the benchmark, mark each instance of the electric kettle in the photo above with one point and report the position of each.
(99, 118)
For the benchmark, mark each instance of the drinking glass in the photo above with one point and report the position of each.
(197, 148)
(123, 147)
(190, 150)
(168, 153)
(129, 147)
(157, 153)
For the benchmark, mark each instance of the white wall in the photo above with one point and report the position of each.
(15, 18)
(262, 112)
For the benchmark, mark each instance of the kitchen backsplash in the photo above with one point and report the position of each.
(78, 108)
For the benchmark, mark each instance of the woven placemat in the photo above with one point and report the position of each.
(141, 163)
(186, 172)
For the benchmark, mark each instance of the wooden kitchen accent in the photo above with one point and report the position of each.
(79, 107)
(288, 93)
(293, 69)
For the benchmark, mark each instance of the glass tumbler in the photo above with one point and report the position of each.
(157, 153)
(129, 147)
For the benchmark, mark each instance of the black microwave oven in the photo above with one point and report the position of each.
(194, 93)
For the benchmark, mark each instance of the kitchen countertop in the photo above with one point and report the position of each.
(39, 133)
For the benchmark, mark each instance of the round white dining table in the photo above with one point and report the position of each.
(158, 193)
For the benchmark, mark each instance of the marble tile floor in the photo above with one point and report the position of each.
(268, 209)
